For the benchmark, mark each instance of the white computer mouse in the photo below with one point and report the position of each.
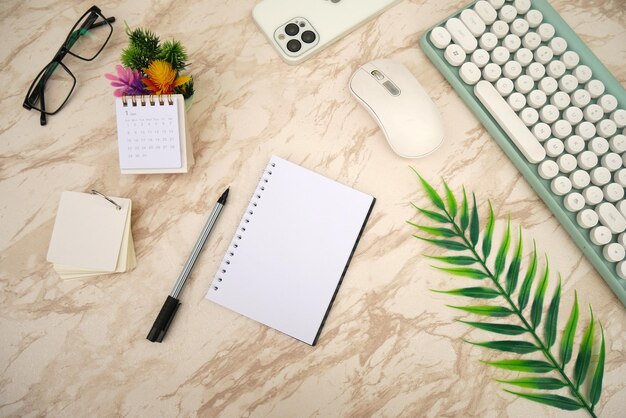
(400, 106)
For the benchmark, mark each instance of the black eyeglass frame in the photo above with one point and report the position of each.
(36, 90)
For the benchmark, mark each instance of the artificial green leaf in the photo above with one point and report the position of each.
(432, 193)
(452, 205)
(439, 232)
(437, 217)
(465, 272)
(519, 347)
(524, 293)
(537, 308)
(506, 329)
(464, 214)
(584, 354)
(546, 383)
(552, 316)
(504, 248)
(447, 244)
(474, 223)
(528, 366)
(556, 401)
(595, 390)
(513, 274)
(567, 340)
(460, 260)
(494, 311)
(472, 292)
(488, 233)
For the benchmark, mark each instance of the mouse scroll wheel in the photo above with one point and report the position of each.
(377, 75)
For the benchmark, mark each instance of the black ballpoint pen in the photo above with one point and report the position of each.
(164, 319)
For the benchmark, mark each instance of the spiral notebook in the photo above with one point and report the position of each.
(291, 250)
(152, 135)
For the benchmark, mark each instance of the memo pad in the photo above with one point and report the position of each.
(291, 250)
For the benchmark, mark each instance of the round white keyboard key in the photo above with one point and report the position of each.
(548, 169)
(455, 55)
(608, 102)
(522, 6)
(529, 116)
(488, 41)
(611, 218)
(534, 18)
(555, 69)
(582, 73)
(536, 99)
(512, 70)
(613, 192)
(517, 101)
(543, 54)
(558, 46)
(575, 144)
(600, 235)
(587, 218)
(593, 195)
(507, 13)
(567, 163)
(581, 98)
(500, 28)
(586, 130)
(570, 59)
(587, 160)
(500, 55)
(621, 269)
(440, 37)
(480, 57)
(595, 88)
(621, 239)
(560, 99)
(613, 252)
(593, 113)
(474, 23)
(574, 202)
(600, 176)
(504, 86)
(470, 73)
(599, 146)
(541, 131)
(548, 85)
(611, 161)
(561, 186)
(461, 35)
(524, 84)
(486, 12)
(536, 71)
(512, 43)
(568, 83)
(606, 128)
(524, 56)
(531, 41)
(519, 27)
(546, 31)
(573, 115)
(496, 3)
(492, 72)
(561, 129)
(554, 147)
(580, 179)
(618, 144)
(620, 177)
(619, 117)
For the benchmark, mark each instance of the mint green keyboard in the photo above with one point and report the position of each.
(553, 108)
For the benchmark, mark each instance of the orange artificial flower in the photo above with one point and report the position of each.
(162, 77)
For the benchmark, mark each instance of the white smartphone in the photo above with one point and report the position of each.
(298, 29)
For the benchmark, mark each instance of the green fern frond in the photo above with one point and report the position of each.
(458, 229)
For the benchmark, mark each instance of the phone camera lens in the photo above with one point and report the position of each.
(294, 45)
(308, 36)
(292, 29)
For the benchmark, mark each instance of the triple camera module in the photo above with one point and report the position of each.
(296, 36)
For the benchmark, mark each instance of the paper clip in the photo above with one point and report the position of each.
(93, 191)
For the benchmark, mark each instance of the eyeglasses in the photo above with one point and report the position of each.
(55, 83)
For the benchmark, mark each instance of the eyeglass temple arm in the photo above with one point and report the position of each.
(89, 24)
(42, 117)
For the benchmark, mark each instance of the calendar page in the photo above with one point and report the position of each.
(148, 134)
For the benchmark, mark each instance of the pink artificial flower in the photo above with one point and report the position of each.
(127, 81)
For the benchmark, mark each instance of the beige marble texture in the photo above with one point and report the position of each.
(390, 348)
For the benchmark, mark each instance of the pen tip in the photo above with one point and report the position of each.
(222, 198)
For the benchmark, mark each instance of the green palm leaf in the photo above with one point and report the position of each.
(452, 205)
(493, 311)
(432, 193)
(524, 293)
(474, 223)
(546, 383)
(439, 232)
(472, 292)
(460, 260)
(437, 217)
(465, 272)
(512, 346)
(504, 248)
(528, 366)
(488, 233)
(447, 244)
(537, 309)
(596, 384)
(556, 401)
(505, 329)
(567, 340)
(512, 274)
(584, 354)
(464, 216)
(552, 316)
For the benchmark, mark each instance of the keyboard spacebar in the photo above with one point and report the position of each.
(510, 122)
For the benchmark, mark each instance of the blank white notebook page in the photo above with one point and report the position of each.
(148, 133)
(288, 256)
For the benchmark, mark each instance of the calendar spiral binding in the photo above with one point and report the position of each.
(150, 99)
(246, 219)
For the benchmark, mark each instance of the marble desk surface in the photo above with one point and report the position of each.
(389, 348)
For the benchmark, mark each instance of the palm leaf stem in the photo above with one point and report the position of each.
(544, 349)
